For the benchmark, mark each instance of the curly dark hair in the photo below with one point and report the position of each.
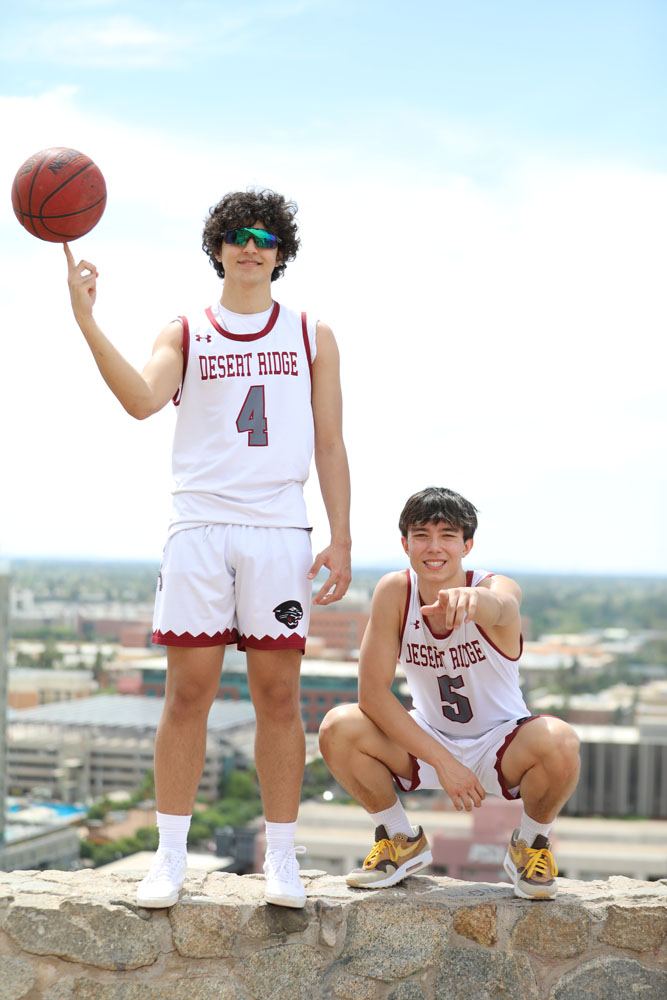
(245, 208)
(434, 504)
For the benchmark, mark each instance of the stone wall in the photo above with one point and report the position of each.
(80, 936)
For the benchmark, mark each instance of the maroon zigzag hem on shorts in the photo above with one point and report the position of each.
(195, 641)
(269, 642)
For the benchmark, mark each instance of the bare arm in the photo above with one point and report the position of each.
(377, 669)
(494, 603)
(140, 393)
(332, 468)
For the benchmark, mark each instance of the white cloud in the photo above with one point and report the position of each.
(102, 36)
(115, 41)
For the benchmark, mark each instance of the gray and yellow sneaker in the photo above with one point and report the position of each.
(391, 860)
(532, 870)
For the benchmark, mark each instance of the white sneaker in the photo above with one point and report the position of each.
(164, 880)
(283, 885)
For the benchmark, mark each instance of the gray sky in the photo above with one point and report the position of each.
(483, 203)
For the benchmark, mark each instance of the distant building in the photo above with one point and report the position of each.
(651, 711)
(553, 655)
(325, 683)
(340, 628)
(4, 644)
(128, 623)
(614, 705)
(84, 749)
(623, 773)
(127, 631)
(30, 686)
(40, 845)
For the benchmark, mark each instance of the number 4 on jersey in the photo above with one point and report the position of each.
(252, 419)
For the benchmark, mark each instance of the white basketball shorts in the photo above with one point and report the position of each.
(483, 755)
(224, 583)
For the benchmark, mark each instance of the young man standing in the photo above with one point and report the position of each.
(457, 635)
(257, 390)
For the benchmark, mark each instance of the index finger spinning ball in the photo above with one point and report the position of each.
(59, 194)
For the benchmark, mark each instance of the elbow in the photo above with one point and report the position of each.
(138, 409)
(326, 450)
(143, 405)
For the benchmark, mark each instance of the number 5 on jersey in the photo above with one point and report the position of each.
(252, 419)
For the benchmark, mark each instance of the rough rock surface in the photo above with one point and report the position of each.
(81, 936)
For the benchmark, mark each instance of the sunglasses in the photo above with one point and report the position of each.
(263, 240)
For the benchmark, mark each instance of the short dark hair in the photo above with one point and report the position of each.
(434, 504)
(245, 208)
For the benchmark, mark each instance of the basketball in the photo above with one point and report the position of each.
(59, 194)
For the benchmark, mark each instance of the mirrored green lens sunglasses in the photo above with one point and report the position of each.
(263, 240)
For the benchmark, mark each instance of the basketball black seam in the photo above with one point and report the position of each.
(66, 215)
(32, 186)
(66, 182)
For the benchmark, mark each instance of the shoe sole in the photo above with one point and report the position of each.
(153, 903)
(513, 875)
(278, 900)
(409, 868)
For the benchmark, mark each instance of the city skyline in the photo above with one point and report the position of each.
(482, 196)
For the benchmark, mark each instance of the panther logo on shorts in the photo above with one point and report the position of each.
(289, 613)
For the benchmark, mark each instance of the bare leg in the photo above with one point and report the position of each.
(361, 758)
(543, 759)
(193, 678)
(280, 744)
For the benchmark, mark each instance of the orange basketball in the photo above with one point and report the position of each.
(59, 194)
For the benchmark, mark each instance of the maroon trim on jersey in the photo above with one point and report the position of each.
(501, 752)
(244, 336)
(268, 642)
(414, 779)
(306, 343)
(406, 609)
(186, 354)
(492, 643)
(436, 635)
(469, 578)
(189, 640)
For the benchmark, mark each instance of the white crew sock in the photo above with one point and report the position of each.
(279, 836)
(393, 819)
(529, 829)
(173, 831)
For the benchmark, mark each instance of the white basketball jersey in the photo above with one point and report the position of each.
(460, 682)
(244, 430)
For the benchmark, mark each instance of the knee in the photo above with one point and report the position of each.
(278, 701)
(570, 748)
(339, 729)
(188, 699)
(561, 748)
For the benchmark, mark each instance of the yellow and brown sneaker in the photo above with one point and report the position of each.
(532, 870)
(391, 860)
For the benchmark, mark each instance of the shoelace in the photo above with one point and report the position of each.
(540, 863)
(284, 864)
(378, 847)
(166, 863)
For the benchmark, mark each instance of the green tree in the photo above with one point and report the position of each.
(49, 657)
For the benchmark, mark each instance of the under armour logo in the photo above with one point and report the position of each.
(416, 623)
(207, 338)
